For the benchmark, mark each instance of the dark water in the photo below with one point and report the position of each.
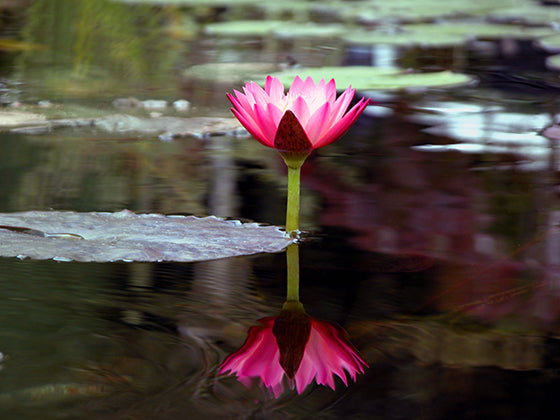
(442, 262)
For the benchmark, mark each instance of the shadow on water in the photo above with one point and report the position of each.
(433, 227)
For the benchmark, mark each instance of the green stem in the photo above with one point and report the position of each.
(293, 160)
(292, 208)
(292, 262)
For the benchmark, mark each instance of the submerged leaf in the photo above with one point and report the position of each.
(126, 236)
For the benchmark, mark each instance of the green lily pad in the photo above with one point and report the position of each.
(553, 62)
(15, 118)
(550, 43)
(281, 28)
(375, 78)
(379, 11)
(126, 236)
(310, 30)
(530, 13)
(243, 28)
(443, 34)
(227, 73)
(194, 3)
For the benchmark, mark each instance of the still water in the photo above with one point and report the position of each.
(433, 231)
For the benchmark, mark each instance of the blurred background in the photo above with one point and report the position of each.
(433, 225)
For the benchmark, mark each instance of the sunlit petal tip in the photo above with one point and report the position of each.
(275, 90)
(297, 86)
(309, 86)
(330, 90)
(268, 83)
(253, 88)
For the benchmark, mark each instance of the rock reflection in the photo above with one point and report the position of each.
(292, 350)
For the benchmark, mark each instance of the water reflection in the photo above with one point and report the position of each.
(108, 44)
(292, 349)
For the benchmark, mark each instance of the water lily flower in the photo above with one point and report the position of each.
(309, 116)
(295, 123)
(292, 350)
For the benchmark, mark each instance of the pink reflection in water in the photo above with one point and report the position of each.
(292, 350)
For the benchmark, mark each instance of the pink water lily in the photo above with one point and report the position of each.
(324, 352)
(307, 117)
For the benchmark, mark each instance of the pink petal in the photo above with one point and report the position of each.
(296, 88)
(252, 127)
(341, 105)
(341, 126)
(274, 88)
(330, 91)
(304, 375)
(316, 123)
(301, 111)
(265, 122)
(257, 94)
(275, 113)
(240, 101)
(309, 85)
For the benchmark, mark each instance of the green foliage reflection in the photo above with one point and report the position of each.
(100, 42)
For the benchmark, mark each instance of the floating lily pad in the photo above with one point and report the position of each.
(486, 130)
(243, 28)
(529, 13)
(126, 236)
(194, 3)
(378, 11)
(553, 62)
(448, 33)
(375, 78)
(15, 118)
(227, 73)
(279, 28)
(309, 30)
(550, 43)
(168, 127)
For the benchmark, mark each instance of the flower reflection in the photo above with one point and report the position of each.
(292, 350)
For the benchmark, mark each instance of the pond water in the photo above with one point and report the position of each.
(432, 227)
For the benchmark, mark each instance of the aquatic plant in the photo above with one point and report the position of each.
(295, 123)
(292, 350)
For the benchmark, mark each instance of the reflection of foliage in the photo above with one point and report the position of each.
(98, 39)
(512, 205)
(109, 175)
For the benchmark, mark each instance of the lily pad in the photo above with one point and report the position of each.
(165, 126)
(169, 127)
(444, 34)
(126, 236)
(309, 30)
(15, 118)
(528, 13)
(375, 78)
(227, 73)
(378, 11)
(280, 28)
(553, 62)
(243, 28)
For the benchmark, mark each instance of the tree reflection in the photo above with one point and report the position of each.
(104, 42)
